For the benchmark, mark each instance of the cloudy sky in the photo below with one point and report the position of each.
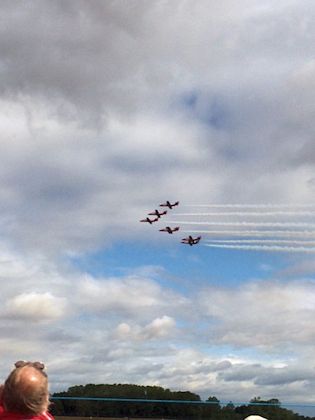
(109, 108)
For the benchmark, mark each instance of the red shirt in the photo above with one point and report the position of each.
(7, 415)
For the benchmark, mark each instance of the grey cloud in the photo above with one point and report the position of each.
(57, 190)
(285, 377)
(246, 317)
(107, 64)
(94, 54)
(78, 59)
(147, 370)
(225, 364)
(134, 296)
(203, 367)
(241, 373)
(61, 336)
(289, 382)
(268, 376)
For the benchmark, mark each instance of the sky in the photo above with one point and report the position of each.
(107, 110)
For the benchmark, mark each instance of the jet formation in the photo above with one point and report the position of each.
(187, 241)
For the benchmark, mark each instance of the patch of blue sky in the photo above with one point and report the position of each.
(180, 265)
(119, 260)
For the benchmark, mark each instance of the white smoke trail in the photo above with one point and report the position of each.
(249, 213)
(255, 233)
(303, 242)
(252, 206)
(263, 248)
(262, 224)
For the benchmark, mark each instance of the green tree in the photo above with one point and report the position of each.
(181, 409)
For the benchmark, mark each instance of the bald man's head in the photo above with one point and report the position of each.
(26, 391)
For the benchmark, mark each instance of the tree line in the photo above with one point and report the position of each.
(189, 404)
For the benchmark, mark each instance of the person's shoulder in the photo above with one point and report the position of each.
(45, 416)
(6, 415)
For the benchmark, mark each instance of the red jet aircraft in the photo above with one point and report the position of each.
(157, 213)
(169, 205)
(170, 230)
(190, 240)
(148, 220)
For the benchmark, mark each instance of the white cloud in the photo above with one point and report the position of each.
(266, 315)
(136, 323)
(111, 121)
(38, 307)
(162, 327)
(135, 296)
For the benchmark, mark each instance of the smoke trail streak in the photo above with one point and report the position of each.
(258, 206)
(247, 234)
(263, 248)
(256, 233)
(263, 241)
(249, 213)
(263, 224)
